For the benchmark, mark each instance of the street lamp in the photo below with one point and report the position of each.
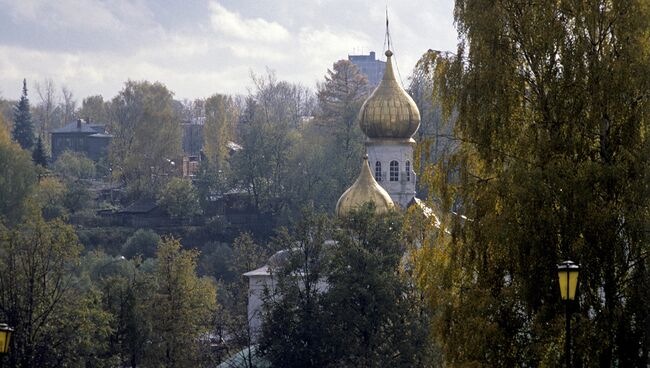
(567, 273)
(5, 336)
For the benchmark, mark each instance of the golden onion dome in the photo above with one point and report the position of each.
(389, 112)
(365, 189)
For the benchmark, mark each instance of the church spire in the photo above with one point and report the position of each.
(389, 118)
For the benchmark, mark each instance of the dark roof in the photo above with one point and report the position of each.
(140, 206)
(75, 127)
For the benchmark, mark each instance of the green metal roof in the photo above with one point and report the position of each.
(240, 360)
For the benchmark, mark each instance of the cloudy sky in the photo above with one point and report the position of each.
(199, 47)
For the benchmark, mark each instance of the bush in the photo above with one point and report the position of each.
(49, 196)
(142, 243)
(179, 198)
(216, 261)
(74, 165)
(77, 196)
(108, 239)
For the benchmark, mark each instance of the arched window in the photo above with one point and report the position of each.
(407, 167)
(378, 171)
(394, 171)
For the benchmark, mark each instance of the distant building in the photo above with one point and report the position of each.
(190, 165)
(193, 136)
(262, 281)
(372, 68)
(81, 136)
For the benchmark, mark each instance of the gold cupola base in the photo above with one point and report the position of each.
(365, 189)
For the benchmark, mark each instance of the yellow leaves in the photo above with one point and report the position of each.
(552, 119)
(17, 176)
(49, 193)
(183, 303)
(176, 274)
(46, 242)
(221, 115)
(147, 135)
(430, 254)
(5, 136)
(498, 206)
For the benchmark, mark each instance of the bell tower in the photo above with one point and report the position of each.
(389, 118)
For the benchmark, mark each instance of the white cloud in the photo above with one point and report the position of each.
(254, 29)
(320, 48)
(213, 50)
(81, 14)
(258, 52)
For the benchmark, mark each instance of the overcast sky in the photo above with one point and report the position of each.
(200, 47)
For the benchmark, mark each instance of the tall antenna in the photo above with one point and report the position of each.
(387, 42)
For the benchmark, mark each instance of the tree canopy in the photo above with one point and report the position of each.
(182, 308)
(551, 114)
(36, 262)
(179, 198)
(146, 136)
(221, 115)
(17, 179)
(344, 303)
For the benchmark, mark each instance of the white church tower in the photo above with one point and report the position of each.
(389, 118)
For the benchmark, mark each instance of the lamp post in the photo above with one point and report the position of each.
(5, 338)
(567, 273)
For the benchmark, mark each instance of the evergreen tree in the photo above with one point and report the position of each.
(376, 317)
(38, 155)
(339, 99)
(23, 132)
(345, 303)
(295, 329)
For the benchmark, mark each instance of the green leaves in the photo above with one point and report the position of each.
(179, 198)
(72, 166)
(344, 302)
(23, 131)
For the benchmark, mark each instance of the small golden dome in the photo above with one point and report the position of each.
(389, 112)
(365, 189)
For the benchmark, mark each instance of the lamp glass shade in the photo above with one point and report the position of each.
(568, 278)
(5, 336)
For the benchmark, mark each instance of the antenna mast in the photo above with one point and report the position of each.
(387, 35)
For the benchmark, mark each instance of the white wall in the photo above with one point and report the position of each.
(401, 191)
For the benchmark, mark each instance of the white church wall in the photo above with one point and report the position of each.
(402, 190)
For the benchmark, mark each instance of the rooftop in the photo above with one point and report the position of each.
(80, 126)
